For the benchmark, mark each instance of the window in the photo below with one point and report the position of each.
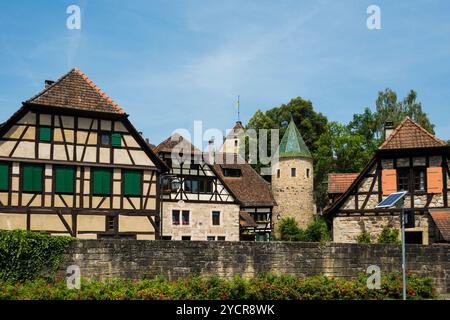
(307, 173)
(194, 166)
(101, 181)
(64, 179)
(175, 217)
(198, 186)
(132, 183)
(216, 218)
(419, 179)
(232, 173)
(45, 134)
(4, 176)
(116, 140)
(235, 143)
(221, 238)
(210, 238)
(278, 173)
(32, 178)
(111, 223)
(293, 172)
(185, 217)
(185, 238)
(166, 238)
(105, 139)
(403, 179)
(205, 186)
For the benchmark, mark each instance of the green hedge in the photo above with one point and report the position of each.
(263, 287)
(26, 255)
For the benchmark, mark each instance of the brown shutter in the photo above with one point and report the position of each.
(434, 179)
(389, 181)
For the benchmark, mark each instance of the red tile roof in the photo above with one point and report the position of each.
(409, 134)
(442, 220)
(176, 140)
(340, 182)
(75, 90)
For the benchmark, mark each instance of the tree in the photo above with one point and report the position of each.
(338, 150)
(388, 108)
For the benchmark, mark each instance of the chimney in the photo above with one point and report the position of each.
(48, 83)
(388, 129)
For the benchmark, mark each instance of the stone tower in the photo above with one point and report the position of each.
(292, 179)
(232, 142)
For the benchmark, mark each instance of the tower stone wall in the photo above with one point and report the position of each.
(294, 194)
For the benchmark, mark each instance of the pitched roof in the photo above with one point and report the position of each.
(408, 135)
(246, 220)
(340, 182)
(292, 143)
(250, 188)
(75, 90)
(442, 220)
(176, 140)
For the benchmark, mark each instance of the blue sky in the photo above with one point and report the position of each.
(168, 63)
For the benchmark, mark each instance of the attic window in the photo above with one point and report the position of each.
(233, 173)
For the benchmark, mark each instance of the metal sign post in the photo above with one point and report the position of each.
(397, 199)
(402, 221)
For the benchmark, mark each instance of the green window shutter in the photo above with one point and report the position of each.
(116, 140)
(32, 178)
(64, 178)
(102, 182)
(132, 183)
(45, 134)
(4, 176)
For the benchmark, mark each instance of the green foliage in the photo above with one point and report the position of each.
(388, 235)
(263, 287)
(363, 237)
(317, 231)
(26, 255)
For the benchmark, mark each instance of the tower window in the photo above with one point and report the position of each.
(293, 172)
(307, 173)
(278, 173)
(235, 143)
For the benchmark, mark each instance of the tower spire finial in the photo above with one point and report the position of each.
(239, 108)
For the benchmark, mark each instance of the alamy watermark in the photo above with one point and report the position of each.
(73, 277)
(73, 21)
(239, 146)
(374, 279)
(374, 19)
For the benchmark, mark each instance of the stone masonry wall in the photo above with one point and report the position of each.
(294, 195)
(103, 259)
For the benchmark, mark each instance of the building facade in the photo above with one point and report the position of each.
(72, 163)
(412, 160)
(212, 196)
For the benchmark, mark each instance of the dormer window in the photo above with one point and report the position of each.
(232, 173)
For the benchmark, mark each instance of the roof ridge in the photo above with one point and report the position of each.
(418, 126)
(99, 91)
(40, 93)
(102, 95)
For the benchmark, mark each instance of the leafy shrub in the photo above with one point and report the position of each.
(363, 237)
(263, 287)
(26, 255)
(289, 229)
(388, 235)
(317, 231)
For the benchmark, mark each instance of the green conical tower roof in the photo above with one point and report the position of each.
(292, 144)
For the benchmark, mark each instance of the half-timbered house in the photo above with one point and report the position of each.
(205, 197)
(72, 163)
(411, 159)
